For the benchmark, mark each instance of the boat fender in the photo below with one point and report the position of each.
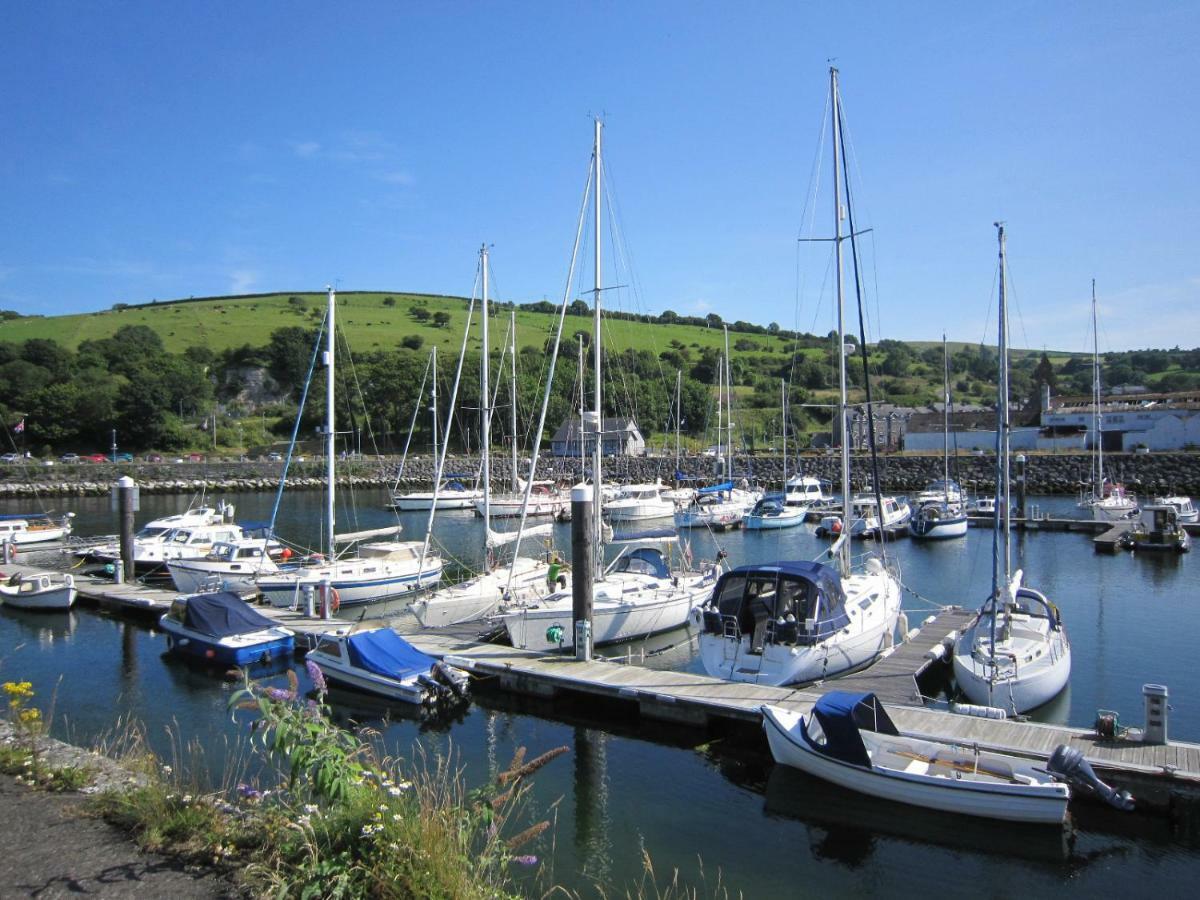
(1068, 764)
(936, 652)
(902, 623)
(981, 712)
(554, 634)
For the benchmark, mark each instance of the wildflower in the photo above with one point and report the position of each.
(303, 820)
(311, 809)
(368, 830)
(525, 860)
(396, 817)
(248, 793)
(167, 771)
(317, 676)
(280, 694)
(396, 790)
(187, 798)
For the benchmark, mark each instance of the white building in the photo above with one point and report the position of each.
(1128, 421)
(621, 438)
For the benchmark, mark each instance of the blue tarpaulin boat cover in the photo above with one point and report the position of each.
(222, 615)
(842, 714)
(721, 488)
(384, 652)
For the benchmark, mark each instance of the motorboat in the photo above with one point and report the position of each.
(158, 530)
(222, 629)
(32, 529)
(636, 502)
(39, 591)
(1014, 655)
(849, 740)
(638, 595)
(545, 499)
(379, 661)
(1158, 527)
(190, 543)
(229, 566)
(452, 493)
(864, 517)
(771, 513)
(807, 492)
(1188, 512)
(795, 622)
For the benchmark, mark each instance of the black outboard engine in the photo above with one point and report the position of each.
(1068, 764)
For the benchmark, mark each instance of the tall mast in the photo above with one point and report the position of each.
(597, 454)
(512, 324)
(678, 423)
(843, 436)
(434, 407)
(720, 419)
(1097, 438)
(946, 416)
(1005, 423)
(329, 426)
(582, 415)
(728, 407)
(485, 417)
(783, 406)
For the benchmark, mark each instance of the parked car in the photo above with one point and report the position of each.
(153, 457)
(10, 457)
(95, 457)
(123, 457)
(195, 457)
(69, 458)
(274, 457)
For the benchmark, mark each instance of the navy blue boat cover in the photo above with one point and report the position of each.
(842, 714)
(222, 615)
(384, 652)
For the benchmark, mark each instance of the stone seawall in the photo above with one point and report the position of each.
(1152, 473)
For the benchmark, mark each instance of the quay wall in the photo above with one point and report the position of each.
(1148, 474)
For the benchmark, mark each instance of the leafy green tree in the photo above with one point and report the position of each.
(288, 353)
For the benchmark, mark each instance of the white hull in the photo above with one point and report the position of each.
(1119, 511)
(718, 515)
(951, 529)
(870, 632)
(1044, 803)
(790, 516)
(424, 502)
(638, 512)
(40, 591)
(355, 581)
(1020, 694)
(405, 690)
(485, 594)
(31, 537)
(655, 605)
(199, 575)
(509, 508)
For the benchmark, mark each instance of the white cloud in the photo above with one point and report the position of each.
(305, 149)
(242, 280)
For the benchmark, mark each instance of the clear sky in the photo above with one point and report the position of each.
(162, 150)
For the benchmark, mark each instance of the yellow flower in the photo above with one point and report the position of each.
(17, 689)
(30, 715)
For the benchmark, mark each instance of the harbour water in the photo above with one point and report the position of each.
(629, 787)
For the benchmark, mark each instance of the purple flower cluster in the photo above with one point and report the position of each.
(317, 676)
(525, 860)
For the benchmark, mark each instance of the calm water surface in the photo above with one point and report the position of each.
(628, 786)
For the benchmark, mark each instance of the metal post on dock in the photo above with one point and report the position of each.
(581, 561)
(326, 599)
(1020, 461)
(127, 504)
(310, 602)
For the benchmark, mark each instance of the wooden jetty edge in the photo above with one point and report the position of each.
(1156, 773)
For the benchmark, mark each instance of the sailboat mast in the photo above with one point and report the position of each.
(1097, 425)
(597, 453)
(582, 415)
(434, 408)
(1005, 423)
(485, 423)
(783, 407)
(330, 435)
(678, 423)
(728, 407)
(512, 325)
(946, 416)
(843, 436)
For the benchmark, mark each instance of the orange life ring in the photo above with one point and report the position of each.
(836, 526)
(336, 603)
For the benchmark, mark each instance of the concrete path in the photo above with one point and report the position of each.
(51, 849)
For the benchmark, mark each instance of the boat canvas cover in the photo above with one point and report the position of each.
(223, 614)
(722, 488)
(841, 715)
(384, 652)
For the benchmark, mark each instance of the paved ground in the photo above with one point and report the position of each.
(48, 849)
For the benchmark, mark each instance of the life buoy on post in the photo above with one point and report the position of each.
(331, 600)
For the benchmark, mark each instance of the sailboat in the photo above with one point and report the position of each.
(773, 512)
(523, 578)
(379, 569)
(940, 511)
(1015, 654)
(638, 594)
(793, 622)
(1109, 502)
(452, 492)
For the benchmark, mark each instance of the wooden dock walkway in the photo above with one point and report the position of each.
(1155, 773)
(1110, 540)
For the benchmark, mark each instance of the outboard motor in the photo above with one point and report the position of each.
(1068, 764)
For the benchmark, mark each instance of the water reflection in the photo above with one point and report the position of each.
(592, 835)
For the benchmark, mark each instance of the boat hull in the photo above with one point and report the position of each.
(424, 502)
(404, 690)
(792, 516)
(937, 529)
(288, 590)
(1018, 695)
(198, 576)
(1046, 805)
(241, 650)
(484, 595)
(56, 596)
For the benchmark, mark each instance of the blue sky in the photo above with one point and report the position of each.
(187, 149)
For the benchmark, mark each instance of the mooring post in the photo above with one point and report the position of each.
(582, 535)
(1020, 460)
(326, 599)
(127, 504)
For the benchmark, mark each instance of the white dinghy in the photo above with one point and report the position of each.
(39, 590)
(849, 740)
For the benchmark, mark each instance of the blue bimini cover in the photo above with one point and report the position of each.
(384, 652)
(841, 715)
(721, 488)
(223, 614)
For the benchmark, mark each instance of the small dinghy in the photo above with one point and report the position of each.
(850, 740)
(381, 662)
(221, 628)
(39, 590)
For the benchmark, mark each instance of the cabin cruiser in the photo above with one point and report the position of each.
(230, 566)
(635, 502)
(544, 500)
(864, 520)
(150, 557)
(1188, 512)
(1159, 527)
(156, 530)
(452, 493)
(807, 492)
(772, 513)
(29, 529)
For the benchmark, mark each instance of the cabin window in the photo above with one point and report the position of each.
(816, 733)
(330, 648)
(729, 598)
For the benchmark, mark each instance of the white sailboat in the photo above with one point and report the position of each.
(638, 594)
(523, 579)
(771, 513)
(798, 621)
(379, 569)
(940, 513)
(1015, 654)
(1108, 501)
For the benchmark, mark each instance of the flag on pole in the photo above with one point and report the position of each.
(20, 426)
